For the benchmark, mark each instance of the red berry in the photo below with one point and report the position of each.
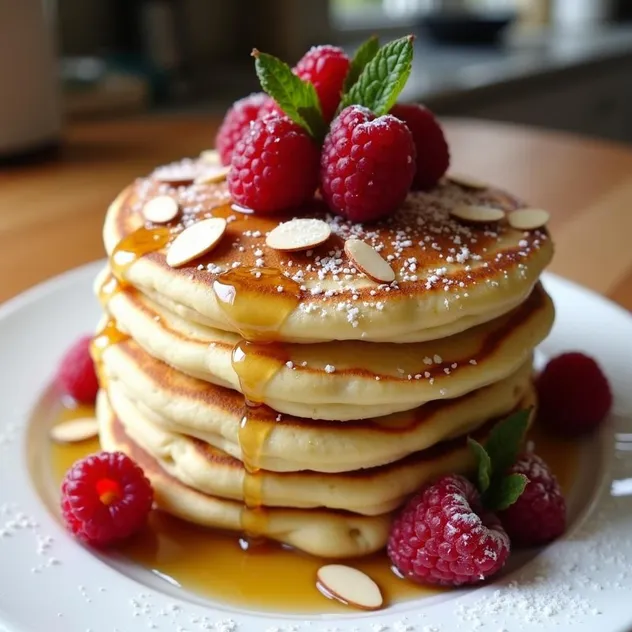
(539, 515)
(443, 536)
(433, 154)
(105, 498)
(574, 395)
(367, 164)
(237, 121)
(270, 107)
(274, 166)
(76, 376)
(326, 68)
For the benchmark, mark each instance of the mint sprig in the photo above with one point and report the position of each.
(383, 77)
(365, 53)
(499, 490)
(297, 98)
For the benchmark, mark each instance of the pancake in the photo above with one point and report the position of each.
(446, 271)
(371, 491)
(325, 533)
(178, 403)
(339, 380)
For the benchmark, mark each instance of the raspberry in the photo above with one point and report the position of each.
(443, 536)
(76, 375)
(274, 166)
(270, 107)
(367, 164)
(326, 68)
(433, 154)
(105, 498)
(539, 515)
(237, 121)
(574, 395)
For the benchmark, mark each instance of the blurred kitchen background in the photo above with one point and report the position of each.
(560, 64)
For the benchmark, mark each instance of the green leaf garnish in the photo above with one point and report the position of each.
(499, 489)
(365, 53)
(505, 492)
(297, 98)
(383, 78)
(484, 464)
(505, 441)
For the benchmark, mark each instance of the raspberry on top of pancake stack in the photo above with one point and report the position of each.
(307, 326)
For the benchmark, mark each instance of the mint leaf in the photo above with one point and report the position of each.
(297, 98)
(484, 464)
(365, 53)
(505, 492)
(505, 441)
(383, 78)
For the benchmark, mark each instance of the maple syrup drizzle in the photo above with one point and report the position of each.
(109, 335)
(132, 247)
(256, 302)
(109, 288)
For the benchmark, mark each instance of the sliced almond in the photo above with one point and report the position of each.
(176, 176)
(211, 157)
(369, 261)
(350, 586)
(213, 175)
(528, 218)
(161, 209)
(75, 430)
(298, 234)
(195, 241)
(477, 214)
(467, 181)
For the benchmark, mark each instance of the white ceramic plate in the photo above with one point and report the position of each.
(48, 582)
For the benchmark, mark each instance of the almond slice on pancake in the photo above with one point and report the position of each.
(298, 234)
(477, 214)
(467, 181)
(213, 175)
(195, 241)
(211, 157)
(369, 261)
(161, 209)
(528, 218)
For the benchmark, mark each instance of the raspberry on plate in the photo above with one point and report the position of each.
(433, 154)
(443, 536)
(367, 164)
(326, 67)
(76, 375)
(237, 121)
(539, 514)
(105, 498)
(574, 396)
(274, 166)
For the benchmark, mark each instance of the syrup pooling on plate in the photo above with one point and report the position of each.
(180, 552)
(256, 301)
(132, 247)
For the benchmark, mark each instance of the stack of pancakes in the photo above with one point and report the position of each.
(290, 396)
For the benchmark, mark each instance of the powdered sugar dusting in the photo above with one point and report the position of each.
(428, 250)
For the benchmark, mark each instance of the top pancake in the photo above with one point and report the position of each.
(449, 275)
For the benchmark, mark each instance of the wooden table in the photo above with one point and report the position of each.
(51, 214)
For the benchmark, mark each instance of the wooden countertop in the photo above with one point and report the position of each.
(51, 214)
